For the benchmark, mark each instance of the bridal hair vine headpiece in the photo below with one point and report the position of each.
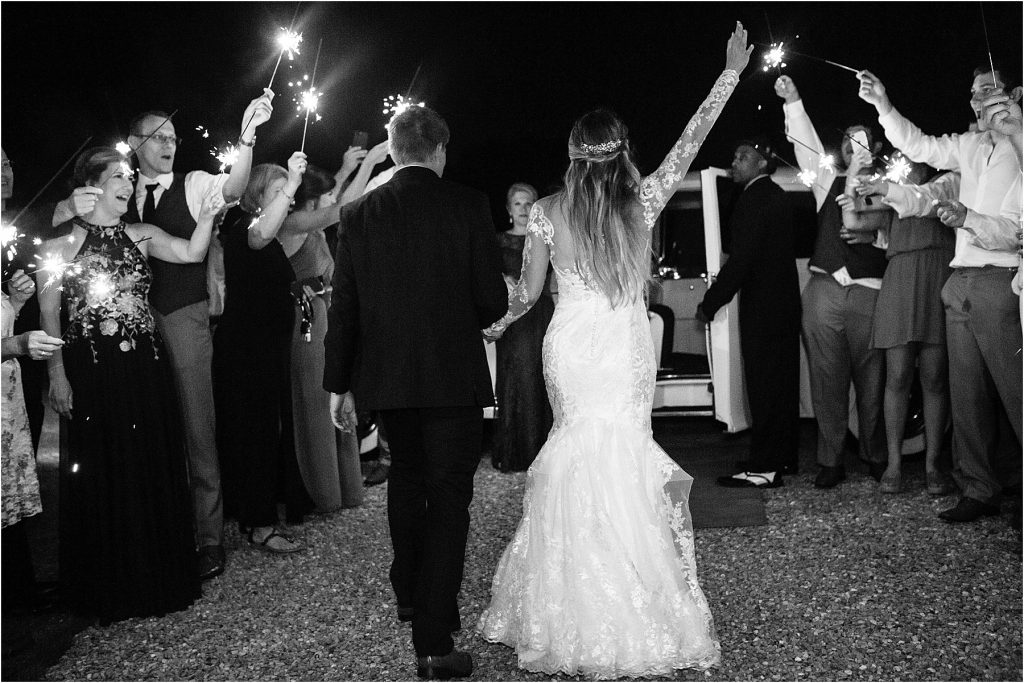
(603, 148)
(599, 152)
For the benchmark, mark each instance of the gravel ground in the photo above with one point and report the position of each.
(845, 584)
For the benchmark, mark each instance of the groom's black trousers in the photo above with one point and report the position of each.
(434, 455)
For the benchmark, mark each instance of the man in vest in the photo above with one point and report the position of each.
(839, 304)
(178, 295)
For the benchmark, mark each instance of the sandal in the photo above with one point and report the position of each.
(284, 546)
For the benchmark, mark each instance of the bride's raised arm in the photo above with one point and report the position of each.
(658, 188)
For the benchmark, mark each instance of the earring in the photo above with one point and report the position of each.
(511, 221)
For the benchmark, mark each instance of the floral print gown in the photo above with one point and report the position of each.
(126, 541)
(20, 484)
(600, 578)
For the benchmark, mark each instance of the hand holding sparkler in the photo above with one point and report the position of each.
(1001, 114)
(952, 214)
(737, 52)
(786, 89)
(875, 186)
(83, 200)
(38, 345)
(20, 288)
(296, 168)
(872, 91)
(258, 112)
(350, 160)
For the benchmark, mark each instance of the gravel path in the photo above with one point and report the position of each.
(845, 584)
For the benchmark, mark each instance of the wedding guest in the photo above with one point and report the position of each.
(524, 412)
(251, 368)
(21, 498)
(909, 323)
(839, 303)
(180, 291)
(983, 325)
(126, 542)
(762, 268)
(328, 459)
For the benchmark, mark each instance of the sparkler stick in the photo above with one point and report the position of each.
(800, 54)
(806, 176)
(413, 81)
(988, 47)
(50, 181)
(310, 99)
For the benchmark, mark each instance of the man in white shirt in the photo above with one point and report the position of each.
(179, 294)
(983, 327)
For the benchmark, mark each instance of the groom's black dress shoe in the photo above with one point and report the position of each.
(455, 664)
(752, 480)
(968, 510)
(406, 613)
(744, 466)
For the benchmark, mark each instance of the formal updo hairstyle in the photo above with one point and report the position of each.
(600, 201)
(259, 178)
(315, 182)
(92, 164)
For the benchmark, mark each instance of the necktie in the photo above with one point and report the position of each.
(149, 206)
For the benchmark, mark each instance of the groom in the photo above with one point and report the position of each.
(417, 276)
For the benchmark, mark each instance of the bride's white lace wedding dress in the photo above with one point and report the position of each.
(600, 577)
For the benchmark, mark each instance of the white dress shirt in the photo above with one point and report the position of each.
(990, 187)
(198, 184)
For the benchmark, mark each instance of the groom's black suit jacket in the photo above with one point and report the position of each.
(417, 276)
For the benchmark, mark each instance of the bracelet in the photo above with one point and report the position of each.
(251, 143)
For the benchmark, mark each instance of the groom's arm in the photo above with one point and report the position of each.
(340, 344)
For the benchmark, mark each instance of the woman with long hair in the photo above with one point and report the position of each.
(600, 578)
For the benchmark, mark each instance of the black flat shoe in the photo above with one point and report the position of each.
(752, 480)
(455, 664)
(968, 510)
(211, 561)
(744, 466)
(829, 477)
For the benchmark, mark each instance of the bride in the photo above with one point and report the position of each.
(600, 578)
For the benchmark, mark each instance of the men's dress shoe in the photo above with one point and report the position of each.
(455, 664)
(829, 477)
(211, 561)
(756, 480)
(968, 510)
(406, 613)
(378, 475)
(744, 466)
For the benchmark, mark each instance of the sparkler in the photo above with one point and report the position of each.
(898, 169)
(311, 98)
(984, 26)
(396, 104)
(226, 155)
(773, 58)
(807, 177)
(777, 51)
(123, 147)
(288, 41)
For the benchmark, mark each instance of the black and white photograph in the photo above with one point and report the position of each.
(497, 341)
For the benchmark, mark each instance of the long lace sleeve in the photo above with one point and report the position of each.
(536, 254)
(657, 189)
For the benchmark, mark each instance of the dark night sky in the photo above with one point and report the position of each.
(509, 77)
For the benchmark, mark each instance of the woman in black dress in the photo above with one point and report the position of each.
(524, 412)
(126, 543)
(251, 366)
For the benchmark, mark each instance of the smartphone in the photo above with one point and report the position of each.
(360, 138)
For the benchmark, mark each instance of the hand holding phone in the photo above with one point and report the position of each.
(360, 138)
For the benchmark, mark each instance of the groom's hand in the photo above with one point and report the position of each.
(343, 412)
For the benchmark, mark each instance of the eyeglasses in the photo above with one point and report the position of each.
(162, 139)
(986, 90)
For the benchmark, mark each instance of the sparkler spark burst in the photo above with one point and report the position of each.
(289, 42)
(807, 177)
(773, 58)
(396, 104)
(307, 102)
(898, 169)
(101, 288)
(123, 147)
(9, 237)
(203, 130)
(226, 155)
(827, 161)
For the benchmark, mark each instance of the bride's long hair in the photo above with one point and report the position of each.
(602, 186)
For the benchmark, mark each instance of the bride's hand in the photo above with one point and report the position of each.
(737, 53)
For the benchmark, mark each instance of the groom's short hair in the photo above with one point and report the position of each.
(415, 135)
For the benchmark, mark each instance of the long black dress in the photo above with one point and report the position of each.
(524, 412)
(252, 383)
(126, 542)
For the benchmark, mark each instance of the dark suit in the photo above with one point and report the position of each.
(417, 276)
(762, 265)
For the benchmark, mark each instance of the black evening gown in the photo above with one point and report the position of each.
(524, 412)
(252, 382)
(126, 542)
